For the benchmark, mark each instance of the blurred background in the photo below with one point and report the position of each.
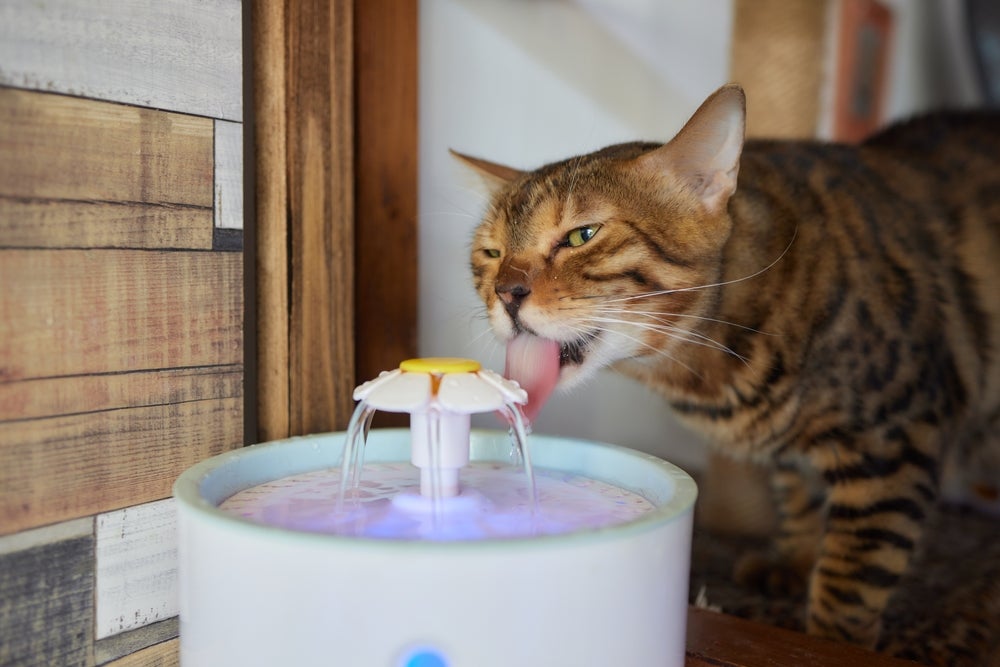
(527, 82)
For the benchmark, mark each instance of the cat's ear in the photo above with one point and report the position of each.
(706, 152)
(494, 176)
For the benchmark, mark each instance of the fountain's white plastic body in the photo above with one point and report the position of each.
(252, 594)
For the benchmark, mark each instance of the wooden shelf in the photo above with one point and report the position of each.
(719, 640)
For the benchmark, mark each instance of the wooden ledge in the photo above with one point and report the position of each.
(720, 640)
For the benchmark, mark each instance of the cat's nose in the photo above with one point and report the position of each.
(512, 294)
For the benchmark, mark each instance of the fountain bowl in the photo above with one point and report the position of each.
(254, 594)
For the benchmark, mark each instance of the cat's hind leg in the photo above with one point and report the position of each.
(875, 515)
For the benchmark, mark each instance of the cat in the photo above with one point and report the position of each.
(831, 311)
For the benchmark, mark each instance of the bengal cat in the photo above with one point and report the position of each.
(830, 310)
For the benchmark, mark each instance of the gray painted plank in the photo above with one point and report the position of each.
(46, 596)
(228, 175)
(180, 55)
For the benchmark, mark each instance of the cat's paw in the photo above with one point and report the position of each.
(861, 629)
(771, 573)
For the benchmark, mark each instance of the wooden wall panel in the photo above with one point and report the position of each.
(111, 360)
(136, 567)
(80, 394)
(82, 174)
(181, 55)
(121, 310)
(164, 654)
(65, 148)
(117, 310)
(124, 644)
(62, 467)
(61, 223)
(228, 175)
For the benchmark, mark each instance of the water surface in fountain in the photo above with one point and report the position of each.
(495, 502)
(428, 499)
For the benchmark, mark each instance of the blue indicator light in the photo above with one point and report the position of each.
(424, 658)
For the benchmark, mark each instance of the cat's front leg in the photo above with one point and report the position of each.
(875, 516)
(786, 567)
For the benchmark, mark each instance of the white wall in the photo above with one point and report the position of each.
(527, 83)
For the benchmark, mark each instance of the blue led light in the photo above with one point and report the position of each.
(424, 657)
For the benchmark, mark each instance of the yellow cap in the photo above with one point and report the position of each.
(440, 365)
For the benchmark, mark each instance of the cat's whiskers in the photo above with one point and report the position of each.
(714, 320)
(677, 333)
(661, 319)
(585, 327)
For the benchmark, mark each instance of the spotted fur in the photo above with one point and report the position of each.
(832, 311)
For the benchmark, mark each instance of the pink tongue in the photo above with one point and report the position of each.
(534, 363)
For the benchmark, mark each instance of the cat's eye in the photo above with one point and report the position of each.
(492, 253)
(581, 235)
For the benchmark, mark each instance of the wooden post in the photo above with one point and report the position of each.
(386, 244)
(304, 132)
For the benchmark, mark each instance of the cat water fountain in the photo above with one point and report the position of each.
(437, 546)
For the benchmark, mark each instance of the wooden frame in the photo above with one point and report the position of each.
(334, 121)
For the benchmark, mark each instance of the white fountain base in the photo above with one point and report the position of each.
(252, 594)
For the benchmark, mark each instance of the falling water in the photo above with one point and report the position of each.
(519, 429)
(352, 459)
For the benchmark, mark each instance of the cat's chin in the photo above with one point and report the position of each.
(580, 360)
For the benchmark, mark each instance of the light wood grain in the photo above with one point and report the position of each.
(181, 55)
(64, 148)
(321, 208)
(164, 654)
(84, 174)
(75, 312)
(271, 219)
(386, 244)
(64, 467)
(63, 223)
(136, 578)
(138, 356)
(305, 201)
(131, 641)
(79, 394)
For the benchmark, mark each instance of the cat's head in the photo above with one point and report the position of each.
(599, 253)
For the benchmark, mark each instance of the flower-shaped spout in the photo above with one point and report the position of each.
(440, 394)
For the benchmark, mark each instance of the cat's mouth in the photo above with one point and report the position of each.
(538, 364)
(573, 352)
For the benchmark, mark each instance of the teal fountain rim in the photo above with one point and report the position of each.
(202, 487)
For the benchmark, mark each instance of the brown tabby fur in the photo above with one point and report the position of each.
(836, 316)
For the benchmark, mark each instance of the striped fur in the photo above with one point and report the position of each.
(837, 318)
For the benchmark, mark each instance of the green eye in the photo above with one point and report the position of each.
(492, 252)
(581, 235)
